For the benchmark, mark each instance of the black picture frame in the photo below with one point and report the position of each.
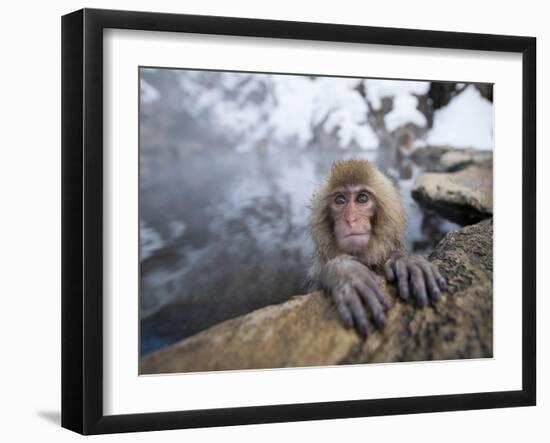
(82, 220)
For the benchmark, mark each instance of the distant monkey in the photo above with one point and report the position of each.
(357, 223)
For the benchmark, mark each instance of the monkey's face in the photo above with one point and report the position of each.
(352, 209)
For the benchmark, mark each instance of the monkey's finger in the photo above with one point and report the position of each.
(419, 285)
(403, 279)
(343, 310)
(390, 274)
(375, 287)
(373, 284)
(359, 314)
(371, 299)
(439, 278)
(433, 287)
(382, 299)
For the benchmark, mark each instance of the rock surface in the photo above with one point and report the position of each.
(464, 196)
(429, 157)
(459, 158)
(305, 330)
(441, 158)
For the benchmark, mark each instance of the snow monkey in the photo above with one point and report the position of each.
(357, 223)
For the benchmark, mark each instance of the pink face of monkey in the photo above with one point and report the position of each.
(352, 209)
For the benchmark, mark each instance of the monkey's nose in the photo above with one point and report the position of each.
(351, 220)
(350, 216)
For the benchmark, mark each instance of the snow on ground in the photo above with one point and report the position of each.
(467, 121)
(404, 101)
(254, 109)
(404, 111)
(290, 107)
(378, 89)
(330, 102)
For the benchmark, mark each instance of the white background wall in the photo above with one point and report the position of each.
(30, 218)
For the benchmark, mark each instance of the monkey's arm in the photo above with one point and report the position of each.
(354, 287)
(415, 273)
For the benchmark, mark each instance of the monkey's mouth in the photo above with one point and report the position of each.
(353, 243)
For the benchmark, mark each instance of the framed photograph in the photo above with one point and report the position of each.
(268, 221)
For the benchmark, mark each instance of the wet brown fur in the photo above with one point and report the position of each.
(388, 225)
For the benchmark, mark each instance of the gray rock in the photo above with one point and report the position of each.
(429, 157)
(447, 158)
(464, 196)
(306, 331)
(455, 159)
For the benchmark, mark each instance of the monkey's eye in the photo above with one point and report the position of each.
(339, 199)
(362, 197)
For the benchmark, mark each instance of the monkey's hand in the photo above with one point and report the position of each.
(415, 273)
(354, 288)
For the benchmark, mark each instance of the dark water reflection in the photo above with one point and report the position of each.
(227, 233)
